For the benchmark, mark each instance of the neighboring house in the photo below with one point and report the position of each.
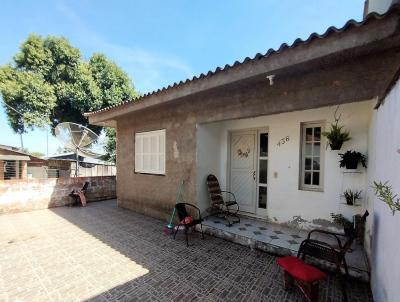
(257, 126)
(15, 164)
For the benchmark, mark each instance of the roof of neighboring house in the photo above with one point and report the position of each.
(14, 153)
(14, 157)
(70, 156)
(162, 93)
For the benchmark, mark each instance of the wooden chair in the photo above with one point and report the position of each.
(189, 216)
(223, 203)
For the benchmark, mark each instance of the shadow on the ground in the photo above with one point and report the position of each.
(208, 270)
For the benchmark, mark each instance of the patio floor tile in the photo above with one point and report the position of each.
(105, 253)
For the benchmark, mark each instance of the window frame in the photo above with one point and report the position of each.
(302, 185)
(150, 134)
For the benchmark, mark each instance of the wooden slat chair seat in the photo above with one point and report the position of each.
(223, 203)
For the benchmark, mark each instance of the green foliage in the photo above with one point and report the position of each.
(351, 196)
(111, 145)
(29, 94)
(48, 82)
(385, 193)
(336, 136)
(341, 220)
(115, 85)
(352, 157)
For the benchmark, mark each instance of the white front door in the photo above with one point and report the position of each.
(243, 164)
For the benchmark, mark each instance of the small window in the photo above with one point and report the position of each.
(150, 152)
(311, 167)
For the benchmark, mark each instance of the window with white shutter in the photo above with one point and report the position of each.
(150, 152)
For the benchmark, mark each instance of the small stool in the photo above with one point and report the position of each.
(304, 276)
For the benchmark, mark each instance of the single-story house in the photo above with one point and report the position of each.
(15, 164)
(257, 125)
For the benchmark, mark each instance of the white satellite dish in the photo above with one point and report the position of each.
(80, 140)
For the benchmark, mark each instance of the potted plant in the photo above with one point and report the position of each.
(336, 136)
(350, 160)
(347, 225)
(351, 196)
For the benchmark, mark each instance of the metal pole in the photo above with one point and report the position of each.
(47, 142)
(22, 142)
(77, 163)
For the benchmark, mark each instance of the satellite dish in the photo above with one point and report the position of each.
(80, 140)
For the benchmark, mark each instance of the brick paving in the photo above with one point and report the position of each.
(105, 253)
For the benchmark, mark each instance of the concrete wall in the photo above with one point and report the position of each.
(285, 200)
(34, 194)
(383, 241)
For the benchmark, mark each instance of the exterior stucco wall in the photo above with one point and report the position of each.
(155, 195)
(383, 242)
(285, 200)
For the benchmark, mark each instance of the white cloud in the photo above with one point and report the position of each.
(147, 68)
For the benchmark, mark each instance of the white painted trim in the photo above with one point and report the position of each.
(306, 187)
(260, 211)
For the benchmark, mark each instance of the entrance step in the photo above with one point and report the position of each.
(281, 241)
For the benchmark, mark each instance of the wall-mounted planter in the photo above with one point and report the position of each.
(336, 145)
(351, 159)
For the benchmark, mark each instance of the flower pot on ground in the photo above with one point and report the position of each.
(351, 159)
(351, 196)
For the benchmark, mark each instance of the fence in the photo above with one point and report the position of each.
(89, 169)
(31, 194)
(16, 169)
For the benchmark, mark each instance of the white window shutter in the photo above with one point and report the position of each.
(150, 152)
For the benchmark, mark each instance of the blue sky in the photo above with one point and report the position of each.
(160, 42)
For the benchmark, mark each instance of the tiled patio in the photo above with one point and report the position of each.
(104, 253)
(281, 240)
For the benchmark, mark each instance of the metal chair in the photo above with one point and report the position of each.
(330, 253)
(223, 203)
(185, 210)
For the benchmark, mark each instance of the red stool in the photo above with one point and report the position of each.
(304, 276)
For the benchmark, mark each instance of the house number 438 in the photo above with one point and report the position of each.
(282, 141)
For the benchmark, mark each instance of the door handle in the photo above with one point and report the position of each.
(254, 175)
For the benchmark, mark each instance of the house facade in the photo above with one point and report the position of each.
(199, 127)
(15, 164)
(257, 125)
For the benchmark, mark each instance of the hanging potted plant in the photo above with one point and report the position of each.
(350, 160)
(336, 136)
(347, 225)
(351, 196)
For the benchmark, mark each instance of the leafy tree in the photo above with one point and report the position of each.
(111, 145)
(48, 82)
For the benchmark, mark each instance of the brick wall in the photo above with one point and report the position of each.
(26, 195)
